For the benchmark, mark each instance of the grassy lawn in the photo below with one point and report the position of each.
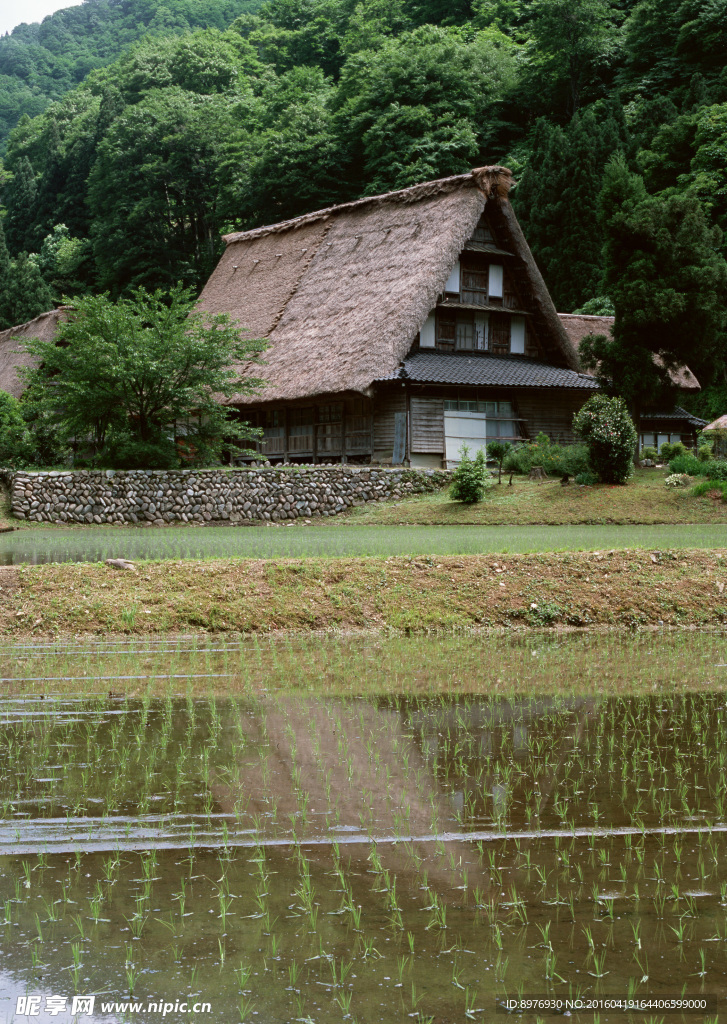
(96, 544)
(613, 589)
(644, 500)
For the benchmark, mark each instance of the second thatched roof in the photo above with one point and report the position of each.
(579, 326)
(12, 354)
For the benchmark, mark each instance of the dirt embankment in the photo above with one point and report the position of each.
(618, 589)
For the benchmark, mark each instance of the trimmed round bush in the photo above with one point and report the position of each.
(610, 436)
(649, 453)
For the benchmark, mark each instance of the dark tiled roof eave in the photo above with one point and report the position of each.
(487, 370)
(677, 413)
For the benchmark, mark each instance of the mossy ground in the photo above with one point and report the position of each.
(617, 589)
(645, 499)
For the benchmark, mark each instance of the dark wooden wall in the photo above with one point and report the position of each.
(427, 423)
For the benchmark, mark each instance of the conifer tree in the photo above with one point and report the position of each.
(668, 283)
(557, 201)
(5, 274)
(21, 201)
(28, 294)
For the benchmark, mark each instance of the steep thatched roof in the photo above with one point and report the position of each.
(12, 355)
(341, 293)
(578, 326)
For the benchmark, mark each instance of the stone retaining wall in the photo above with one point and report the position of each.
(216, 495)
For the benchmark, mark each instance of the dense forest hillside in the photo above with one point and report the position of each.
(41, 62)
(130, 177)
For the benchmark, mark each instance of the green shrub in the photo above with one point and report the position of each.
(649, 453)
(687, 463)
(588, 479)
(704, 452)
(554, 458)
(470, 479)
(669, 451)
(713, 469)
(16, 443)
(610, 435)
(708, 487)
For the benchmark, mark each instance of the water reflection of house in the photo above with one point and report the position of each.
(377, 770)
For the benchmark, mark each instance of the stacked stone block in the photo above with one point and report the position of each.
(269, 493)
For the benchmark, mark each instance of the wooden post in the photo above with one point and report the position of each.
(408, 428)
(343, 432)
(285, 433)
(315, 435)
(373, 435)
(399, 452)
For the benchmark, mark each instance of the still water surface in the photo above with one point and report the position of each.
(298, 857)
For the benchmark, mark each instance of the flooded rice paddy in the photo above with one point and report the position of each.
(94, 544)
(262, 828)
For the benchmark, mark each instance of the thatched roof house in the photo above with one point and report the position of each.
(400, 325)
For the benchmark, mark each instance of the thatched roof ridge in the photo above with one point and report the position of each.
(579, 326)
(341, 293)
(12, 356)
(490, 180)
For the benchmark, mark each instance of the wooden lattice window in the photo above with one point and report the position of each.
(475, 286)
(499, 334)
(446, 330)
(300, 429)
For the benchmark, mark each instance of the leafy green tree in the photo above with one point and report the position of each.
(300, 32)
(708, 173)
(610, 435)
(155, 189)
(295, 171)
(498, 451)
(670, 153)
(5, 285)
(62, 262)
(424, 104)
(574, 43)
(132, 375)
(599, 305)
(40, 63)
(16, 443)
